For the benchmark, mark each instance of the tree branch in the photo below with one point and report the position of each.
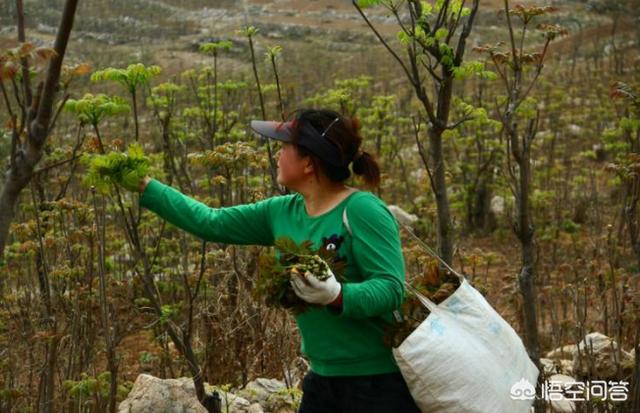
(460, 122)
(40, 124)
(466, 31)
(55, 117)
(6, 100)
(511, 36)
(26, 81)
(384, 43)
(423, 156)
(46, 168)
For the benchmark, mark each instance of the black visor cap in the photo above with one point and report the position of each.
(309, 138)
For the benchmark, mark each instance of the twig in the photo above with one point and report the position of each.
(460, 122)
(466, 31)
(57, 114)
(384, 43)
(46, 168)
(416, 129)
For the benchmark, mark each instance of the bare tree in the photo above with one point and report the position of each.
(35, 119)
(510, 66)
(433, 53)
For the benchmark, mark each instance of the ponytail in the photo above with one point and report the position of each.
(366, 165)
(346, 136)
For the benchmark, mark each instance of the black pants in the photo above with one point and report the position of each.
(378, 393)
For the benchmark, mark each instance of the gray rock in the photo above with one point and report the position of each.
(255, 408)
(260, 389)
(154, 395)
(296, 371)
(497, 205)
(564, 352)
(402, 216)
(563, 405)
(604, 357)
(575, 130)
(271, 394)
(557, 366)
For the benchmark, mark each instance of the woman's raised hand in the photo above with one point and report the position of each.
(134, 185)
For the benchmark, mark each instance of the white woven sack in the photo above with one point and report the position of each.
(466, 358)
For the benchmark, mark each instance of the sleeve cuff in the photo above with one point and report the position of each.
(151, 193)
(346, 310)
(352, 302)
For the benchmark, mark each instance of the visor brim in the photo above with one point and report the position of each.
(280, 131)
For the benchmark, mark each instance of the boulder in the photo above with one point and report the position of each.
(562, 405)
(564, 352)
(547, 365)
(255, 408)
(154, 395)
(271, 394)
(604, 357)
(497, 205)
(566, 367)
(402, 216)
(235, 403)
(575, 131)
(557, 366)
(296, 371)
(260, 389)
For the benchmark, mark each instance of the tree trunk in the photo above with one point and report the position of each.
(527, 273)
(25, 156)
(445, 242)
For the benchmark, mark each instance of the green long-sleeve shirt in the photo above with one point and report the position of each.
(337, 343)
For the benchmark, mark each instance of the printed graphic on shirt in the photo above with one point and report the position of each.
(332, 243)
(329, 252)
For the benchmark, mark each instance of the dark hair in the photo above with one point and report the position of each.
(345, 134)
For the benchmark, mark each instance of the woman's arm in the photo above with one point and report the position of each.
(377, 252)
(143, 184)
(240, 224)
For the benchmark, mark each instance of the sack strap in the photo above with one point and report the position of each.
(345, 220)
(424, 300)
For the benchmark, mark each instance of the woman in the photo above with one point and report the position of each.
(351, 369)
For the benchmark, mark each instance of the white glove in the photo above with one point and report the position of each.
(316, 291)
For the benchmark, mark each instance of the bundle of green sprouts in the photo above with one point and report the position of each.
(116, 167)
(292, 260)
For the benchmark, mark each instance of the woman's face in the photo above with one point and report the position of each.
(292, 168)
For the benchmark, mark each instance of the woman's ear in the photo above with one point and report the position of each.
(308, 165)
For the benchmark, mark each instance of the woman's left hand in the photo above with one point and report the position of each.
(313, 290)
